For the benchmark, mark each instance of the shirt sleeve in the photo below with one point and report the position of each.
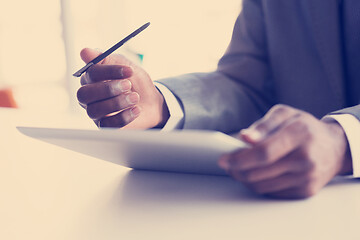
(351, 128)
(176, 118)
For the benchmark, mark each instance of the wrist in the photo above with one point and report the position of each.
(345, 167)
(164, 113)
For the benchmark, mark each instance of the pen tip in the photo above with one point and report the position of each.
(143, 27)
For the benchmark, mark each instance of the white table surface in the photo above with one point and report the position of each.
(51, 193)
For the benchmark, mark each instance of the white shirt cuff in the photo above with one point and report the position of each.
(176, 113)
(351, 127)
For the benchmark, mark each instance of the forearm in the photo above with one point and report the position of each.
(214, 101)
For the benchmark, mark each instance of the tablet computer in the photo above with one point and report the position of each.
(186, 151)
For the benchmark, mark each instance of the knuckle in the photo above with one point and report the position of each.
(283, 110)
(262, 154)
(82, 95)
(304, 116)
(120, 102)
(127, 117)
(108, 88)
(92, 112)
(299, 126)
(280, 108)
(275, 116)
(263, 126)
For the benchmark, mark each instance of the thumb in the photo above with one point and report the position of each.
(88, 54)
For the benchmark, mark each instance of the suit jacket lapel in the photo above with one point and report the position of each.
(325, 23)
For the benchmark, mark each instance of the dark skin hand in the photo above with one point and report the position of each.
(291, 154)
(117, 93)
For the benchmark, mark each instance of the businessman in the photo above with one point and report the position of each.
(289, 80)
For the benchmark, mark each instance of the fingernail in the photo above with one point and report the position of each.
(224, 162)
(135, 112)
(124, 85)
(133, 98)
(251, 134)
(126, 71)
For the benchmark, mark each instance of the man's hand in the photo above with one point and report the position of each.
(291, 155)
(117, 93)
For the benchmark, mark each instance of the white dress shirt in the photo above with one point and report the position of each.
(176, 113)
(351, 128)
(348, 122)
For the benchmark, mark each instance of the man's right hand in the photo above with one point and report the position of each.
(117, 93)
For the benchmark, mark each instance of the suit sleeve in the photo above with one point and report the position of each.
(355, 111)
(239, 91)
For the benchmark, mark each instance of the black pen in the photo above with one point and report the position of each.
(110, 50)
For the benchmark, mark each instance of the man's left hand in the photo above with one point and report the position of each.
(291, 154)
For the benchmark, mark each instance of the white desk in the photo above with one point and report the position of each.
(50, 193)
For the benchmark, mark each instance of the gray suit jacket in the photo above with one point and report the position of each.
(282, 51)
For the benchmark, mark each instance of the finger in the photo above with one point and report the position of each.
(281, 183)
(83, 105)
(99, 73)
(289, 164)
(272, 120)
(101, 109)
(88, 54)
(120, 119)
(288, 138)
(102, 90)
(295, 193)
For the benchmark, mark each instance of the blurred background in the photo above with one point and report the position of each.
(40, 41)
